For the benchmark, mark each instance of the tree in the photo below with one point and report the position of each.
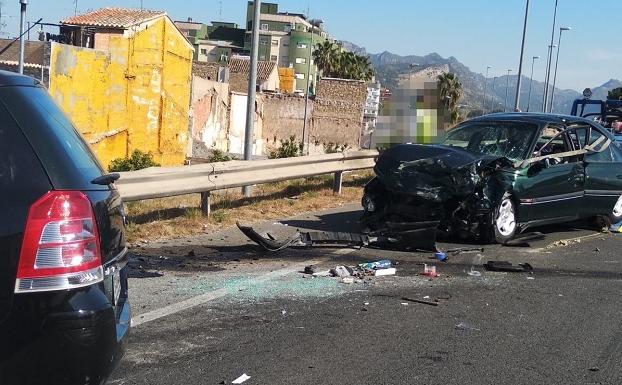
(337, 63)
(615, 94)
(450, 92)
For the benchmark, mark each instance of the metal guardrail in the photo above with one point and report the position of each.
(160, 182)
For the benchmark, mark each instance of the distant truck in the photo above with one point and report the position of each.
(607, 113)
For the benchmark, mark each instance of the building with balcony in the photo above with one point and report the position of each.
(215, 43)
(288, 40)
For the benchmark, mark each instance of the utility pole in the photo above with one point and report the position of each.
(252, 88)
(533, 61)
(520, 64)
(485, 86)
(559, 46)
(507, 86)
(305, 145)
(549, 61)
(492, 94)
(22, 41)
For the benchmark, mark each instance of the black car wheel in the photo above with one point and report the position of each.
(504, 220)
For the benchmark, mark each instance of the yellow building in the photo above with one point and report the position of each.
(124, 79)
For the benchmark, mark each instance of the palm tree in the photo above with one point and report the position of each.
(450, 92)
(326, 56)
(334, 62)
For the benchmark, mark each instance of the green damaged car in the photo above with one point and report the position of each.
(496, 176)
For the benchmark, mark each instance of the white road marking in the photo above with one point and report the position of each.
(216, 294)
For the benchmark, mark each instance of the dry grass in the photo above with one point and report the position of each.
(181, 216)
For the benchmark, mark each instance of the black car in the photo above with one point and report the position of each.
(64, 313)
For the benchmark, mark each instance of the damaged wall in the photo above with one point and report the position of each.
(209, 116)
(134, 96)
(237, 125)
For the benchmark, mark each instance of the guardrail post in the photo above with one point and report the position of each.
(337, 182)
(205, 206)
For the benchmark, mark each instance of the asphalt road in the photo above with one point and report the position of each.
(208, 309)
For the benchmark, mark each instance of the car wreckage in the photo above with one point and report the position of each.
(490, 179)
(495, 176)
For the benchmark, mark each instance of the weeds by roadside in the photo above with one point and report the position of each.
(181, 216)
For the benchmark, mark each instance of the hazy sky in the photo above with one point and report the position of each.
(476, 32)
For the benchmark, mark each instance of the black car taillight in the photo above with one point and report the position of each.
(60, 249)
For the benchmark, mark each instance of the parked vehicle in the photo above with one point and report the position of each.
(495, 176)
(64, 312)
(607, 113)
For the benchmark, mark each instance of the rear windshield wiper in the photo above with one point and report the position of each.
(106, 179)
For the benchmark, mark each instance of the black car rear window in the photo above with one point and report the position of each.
(69, 162)
(509, 139)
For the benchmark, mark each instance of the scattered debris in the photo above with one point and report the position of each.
(594, 369)
(431, 303)
(311, 269)
(283, 311)
(531, 278)
(340, 271)
(474, 273)
(467, 326)
(465, 250)
(440, 256)
(383, 264)
(597, 249)
(241, 379)
(347, 280)
(381, 272)
(616, 228)
(429, 271)
(508, 267)
(404, 303)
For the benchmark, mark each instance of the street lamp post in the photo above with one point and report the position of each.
(559, 46)
(492, 94)
(520, 64)
(485, 85)
(549, 62)
(533, 61)
(22, 43)
(507, 86)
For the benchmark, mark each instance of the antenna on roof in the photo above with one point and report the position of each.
(75, 7)
(141, 4)
(220, 10)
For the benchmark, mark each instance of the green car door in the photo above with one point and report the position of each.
(603, 183)
(552, 189)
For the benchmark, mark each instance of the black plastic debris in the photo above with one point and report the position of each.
(508, 267)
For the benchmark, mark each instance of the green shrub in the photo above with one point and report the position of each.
(137, 161)
(289, 148)
(220, 156)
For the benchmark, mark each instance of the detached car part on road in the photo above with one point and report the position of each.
(496, 176)
(64, 313)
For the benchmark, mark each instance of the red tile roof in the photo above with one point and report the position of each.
(114, 17)
(243, 66)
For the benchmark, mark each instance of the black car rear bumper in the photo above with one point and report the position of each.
(66, 337)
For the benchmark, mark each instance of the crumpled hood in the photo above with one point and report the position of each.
(433, 172)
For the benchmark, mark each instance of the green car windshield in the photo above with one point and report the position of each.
(504, 139)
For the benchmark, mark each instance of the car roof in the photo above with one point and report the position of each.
(530, 117)
(8, 78)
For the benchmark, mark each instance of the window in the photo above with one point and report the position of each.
(285, 44)
(263, 42)
(601, 156)
(264, 27)
(262, 57)
(301, 45)
(275, 43)
(301, 60)
(287, 28)
(511, 140)
(300, 76)
(274, 58)
(203, 51)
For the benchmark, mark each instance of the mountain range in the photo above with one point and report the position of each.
(390, 66)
